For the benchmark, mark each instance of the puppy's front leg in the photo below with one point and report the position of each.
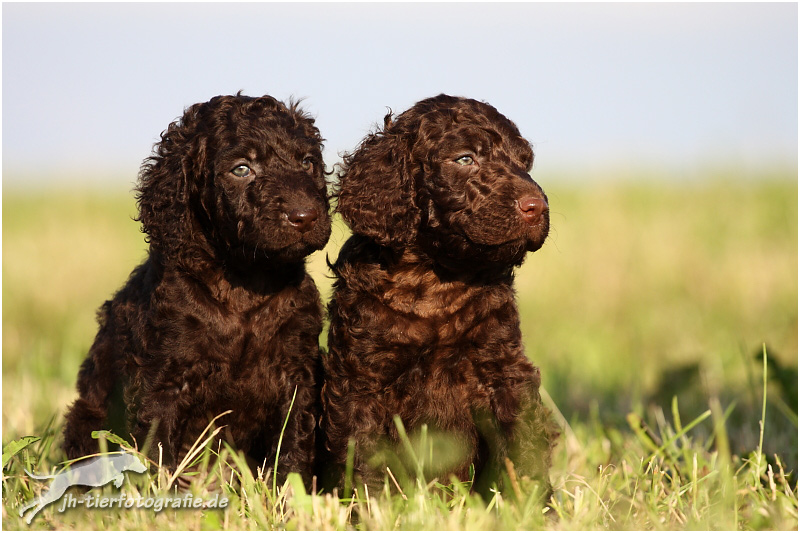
(299, 439)
(160, 419)
(533, 438)
(97, 378)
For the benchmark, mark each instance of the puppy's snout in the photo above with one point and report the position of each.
(303, 219)
(532, 209)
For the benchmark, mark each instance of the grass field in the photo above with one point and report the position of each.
(648, 311)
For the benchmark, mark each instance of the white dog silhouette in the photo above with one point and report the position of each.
(94, 472)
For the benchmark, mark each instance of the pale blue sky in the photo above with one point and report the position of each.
(87, 88)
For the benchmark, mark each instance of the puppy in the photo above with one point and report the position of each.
(222, 315)
(424, 324)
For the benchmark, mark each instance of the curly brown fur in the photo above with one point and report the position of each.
(424, 323)
(222, 314)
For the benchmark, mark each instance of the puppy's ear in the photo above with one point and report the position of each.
(376, 192)
(169, 179)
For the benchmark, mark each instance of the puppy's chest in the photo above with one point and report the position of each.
(442, 360)
(441, 317)
(444, 340)
(220, 356)
(246, 333)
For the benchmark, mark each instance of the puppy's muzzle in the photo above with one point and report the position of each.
(532, 210)
(303, 219)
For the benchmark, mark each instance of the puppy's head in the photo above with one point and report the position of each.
(450, 176)
(246, 172)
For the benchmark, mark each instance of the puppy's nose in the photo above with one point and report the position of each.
(303, 219)
(532, 209)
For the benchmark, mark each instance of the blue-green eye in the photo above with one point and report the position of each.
(465, 160)
(241, 171)
(308, 163)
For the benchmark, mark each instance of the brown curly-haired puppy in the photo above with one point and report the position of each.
(222, 314)
(424, 323)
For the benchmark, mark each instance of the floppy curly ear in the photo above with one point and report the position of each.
(376, 192)
(167, 182)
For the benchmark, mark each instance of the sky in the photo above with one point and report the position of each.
(87, 88)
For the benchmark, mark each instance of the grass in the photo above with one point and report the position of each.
(648, 310)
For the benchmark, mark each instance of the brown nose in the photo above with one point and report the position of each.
(532, 209)
(302, 219)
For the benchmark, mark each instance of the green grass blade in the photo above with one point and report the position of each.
(15, 446)
(401, 431)
(280, 441)
(111, 437)
(757, 473)
(679, 434)
(348, 470)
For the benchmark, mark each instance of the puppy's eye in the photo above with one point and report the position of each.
(308, 163)
(465, 160)
(241, 171)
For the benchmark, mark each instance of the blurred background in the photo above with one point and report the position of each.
(665, 137)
